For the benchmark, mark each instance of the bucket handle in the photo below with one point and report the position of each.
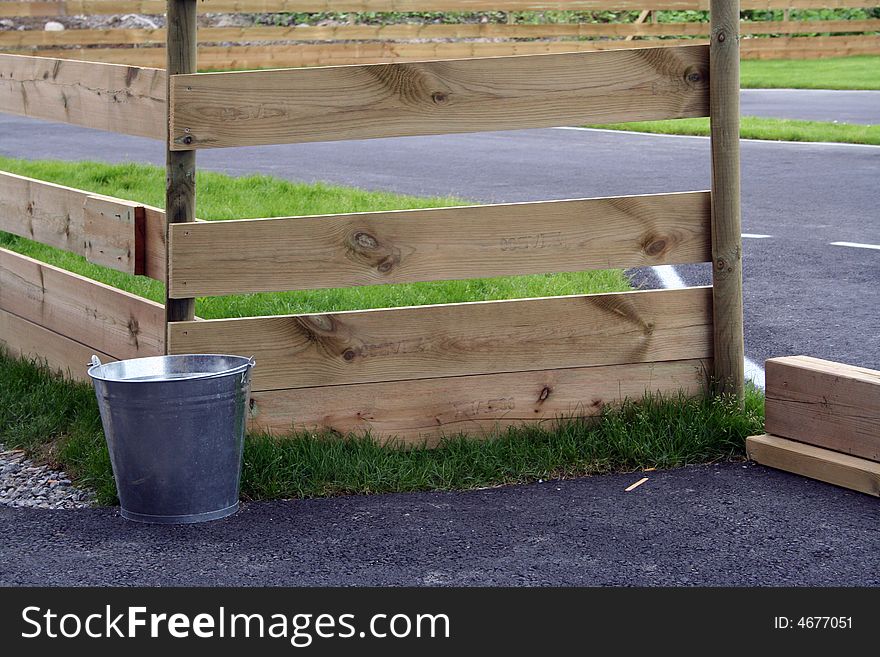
(94, 362)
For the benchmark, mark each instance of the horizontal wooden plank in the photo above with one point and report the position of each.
(424, 410)
(123, 99)
(99, 228)
(23, 338)
(361, 102)
(221, 58)
(824, 403)
(298, 351)
(108, 319)
(154, 7)
(407, 31)
(231, 257)
(815, 462)
(102, 229)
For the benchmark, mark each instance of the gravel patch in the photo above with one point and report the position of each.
(26, 484)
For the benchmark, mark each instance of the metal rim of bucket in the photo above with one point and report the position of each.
(96, 363)
(187, 519)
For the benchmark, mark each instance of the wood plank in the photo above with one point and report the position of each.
(370, 248)
(298, 351)
(102, 229)
(823, 403)
(727, 285)
(424, 410)
(361, 102)
(406, 31)
(108, 319)
(155, 7)
(26, 339)
(815, 462)
(123, 99)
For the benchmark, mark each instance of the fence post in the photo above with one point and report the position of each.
(180, 170)
(726, 222)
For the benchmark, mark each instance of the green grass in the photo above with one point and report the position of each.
(223, 197)
(58, 421)
(757, 128)
(858, 72)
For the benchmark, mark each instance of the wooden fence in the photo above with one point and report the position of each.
(224, 48)
(411, 373)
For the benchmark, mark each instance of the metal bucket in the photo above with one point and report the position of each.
(175, 430)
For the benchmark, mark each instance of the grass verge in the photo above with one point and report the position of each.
(857, 72)
(758, 128)
(224, 197)
(58, 421)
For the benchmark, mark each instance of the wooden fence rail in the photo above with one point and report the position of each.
(363, 102)
(122, 99)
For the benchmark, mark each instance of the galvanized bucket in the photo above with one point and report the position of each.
(175, 430)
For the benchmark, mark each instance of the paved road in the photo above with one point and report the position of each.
(813, 105)
(802, 295)
(722, 525)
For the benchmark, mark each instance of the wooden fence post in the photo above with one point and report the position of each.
(180, 172)
(726, 222)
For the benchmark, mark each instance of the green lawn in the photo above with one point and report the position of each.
(224, 197)
(859, 72)
(757, 128)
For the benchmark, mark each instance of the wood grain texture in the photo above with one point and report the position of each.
(180, 167)
(104, 7)
(413, 412)
(217, 58)
(231, 257)
(124, 99)
(406, 31)
(26, 339)
(101, 228)
(94, 314)
(726, 219)
(815, 462)
(362, 102)
(823, 403)
(298, 351)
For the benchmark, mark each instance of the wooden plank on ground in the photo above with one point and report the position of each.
(108, 319)
(298, 351)
(23, 338)
(815, 462)
(124, 99)
(104, 230)
(426, 409)
(231, 257)
(824, 403)
(360, 102)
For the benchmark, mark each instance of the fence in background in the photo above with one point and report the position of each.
(416, 372)
(270, 46)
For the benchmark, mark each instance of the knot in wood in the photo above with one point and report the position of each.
(349, 355)
(545, 392)
(188, 139)
(365, 241)
(721, 264)
(386, 265)
(439, 97)
(655, 247)
(722, 37)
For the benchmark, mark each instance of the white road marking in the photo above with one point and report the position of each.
(752, 141)
(857, 245)
(756, 236)
(670, 279)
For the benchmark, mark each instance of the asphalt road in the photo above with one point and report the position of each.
(722, 525)
(812, 105)
(701, 526)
